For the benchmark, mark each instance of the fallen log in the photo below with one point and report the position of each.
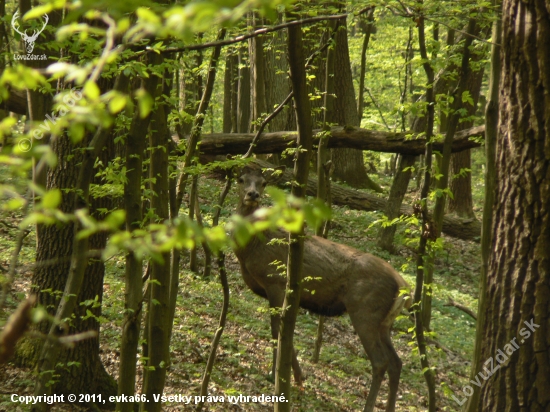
(356, 138)
(467, 229)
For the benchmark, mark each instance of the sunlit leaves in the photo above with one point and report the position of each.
(91, 90)
(117, 103)
(21, 77)
(38, 11)
(145, 103)
(51, 199)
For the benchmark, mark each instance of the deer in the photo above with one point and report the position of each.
(337, 279)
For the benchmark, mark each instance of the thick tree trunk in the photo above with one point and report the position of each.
(518, 290)
(54, 250)
(158, 314)
(135, 146)
(277, 83)
(348, 163)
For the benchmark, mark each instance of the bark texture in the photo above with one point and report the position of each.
(519, 267)
(398, 190)
(348, 163)
(291, 303)
(461, 181)
(54, 250)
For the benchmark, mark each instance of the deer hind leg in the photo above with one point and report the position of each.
(394, 370)
(368, 328)
(276, 298)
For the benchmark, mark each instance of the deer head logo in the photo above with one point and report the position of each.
(29, 40)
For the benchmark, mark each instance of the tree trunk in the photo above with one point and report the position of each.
(243, 114)
(461, 185)
(53, 254)
(348, 163)
(456, 106)
(229, 93)
(277, 83)
(518, 290)
(398, 190)
(158, 313)
(257, 75)
(428, 373)
(296, 240)
(369, 19)
(135, 146)
(461, 178)
(491, 125)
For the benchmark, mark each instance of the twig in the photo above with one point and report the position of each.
(258, 32)
(8, 225)
(221, 200)
(462, 308)
(225, 306)
(265, 123)
(463, 32)
(379, 110)
(409, 14)
(199, 120)
(109, 44)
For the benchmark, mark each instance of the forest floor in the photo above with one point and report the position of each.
(341, 378)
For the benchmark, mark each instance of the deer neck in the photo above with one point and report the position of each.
(245, 210)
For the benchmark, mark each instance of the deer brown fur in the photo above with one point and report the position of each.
(341, 279)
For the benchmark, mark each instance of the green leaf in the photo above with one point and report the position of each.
(115, 219)
(278, 195)
(14, 203)
(117, 103)
(38, 11)
(91, 90)
(147, 15)
(145, 103)
(76, 132)
(51, 199)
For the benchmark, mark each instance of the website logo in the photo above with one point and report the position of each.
(28, 39)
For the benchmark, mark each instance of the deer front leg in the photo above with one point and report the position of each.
(276, 298)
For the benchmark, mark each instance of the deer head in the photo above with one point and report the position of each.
(251, 183)
(29, 40)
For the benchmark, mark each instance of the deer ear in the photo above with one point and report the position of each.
(273, 175)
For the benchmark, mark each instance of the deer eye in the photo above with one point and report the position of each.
(240, 180)
(264, 184)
